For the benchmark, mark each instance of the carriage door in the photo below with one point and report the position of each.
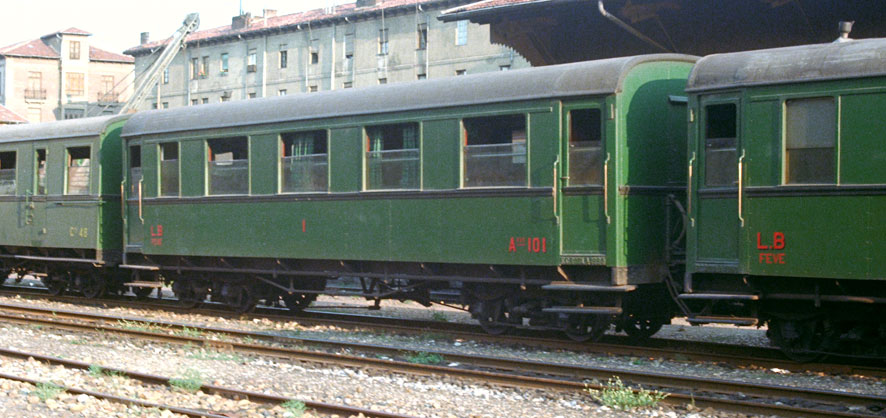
(37, 195)
(718, 219)
(134, 191)
(583, 217)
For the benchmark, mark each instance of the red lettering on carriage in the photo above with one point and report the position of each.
(532, 244)
(778, 243)
(157, 235)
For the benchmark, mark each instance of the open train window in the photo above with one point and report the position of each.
(810, 138)
(720, 138)
(228, 166)
(40, 169)
(7, 173)
(78, 166)
(135, 168)
(495, 151)
(304, 162)
(392, 157)
(585, 147)
(169, 177)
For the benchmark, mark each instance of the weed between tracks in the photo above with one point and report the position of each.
(424, 358)
(294, 407)
(616, 395)
(191, 381)
(47, 391)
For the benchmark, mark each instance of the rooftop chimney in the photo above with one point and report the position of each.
(266, 13)
(241, 22)
(145, 38)
(845, 28)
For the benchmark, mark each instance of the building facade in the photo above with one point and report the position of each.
(62, 76)
(351, 45)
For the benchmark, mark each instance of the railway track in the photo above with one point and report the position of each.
(701, 392)
(736, 355)
(255, 397)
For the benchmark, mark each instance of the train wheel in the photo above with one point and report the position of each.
(583, 328)
(92, 285)
(185, 293)
(641, 328)
(241, 297)
(492, 317)
(799, 340)
(297, 302)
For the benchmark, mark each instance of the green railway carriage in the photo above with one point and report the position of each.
(60, 201)
(788, 193)
(541, 193)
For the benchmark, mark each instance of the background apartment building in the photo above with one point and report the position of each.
(62, 76)
(359, 44)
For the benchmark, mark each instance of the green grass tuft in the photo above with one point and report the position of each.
(47, 391)
(616, 395)
(294, 407)
(191, 381)
(424, 358)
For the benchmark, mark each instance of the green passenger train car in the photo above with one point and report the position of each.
(60, 201)
(541, 194)
(787, 164)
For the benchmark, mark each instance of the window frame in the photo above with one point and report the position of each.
(208, 160)
(160, 159)
(74, 50)
(569, 109)
(367, 143)
(835, 100)
(703, 139)
(463, 148)
(15, 184)
(68, 161)
(281, 154)
(36, 184)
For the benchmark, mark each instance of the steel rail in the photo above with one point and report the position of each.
(712, 392)
(659, 348)
(118, 399)
(256, 397)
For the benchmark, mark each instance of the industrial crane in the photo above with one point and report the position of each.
(152, 76)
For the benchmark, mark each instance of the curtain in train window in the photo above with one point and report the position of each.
(40, 169)
(304, 162)
(392, 157)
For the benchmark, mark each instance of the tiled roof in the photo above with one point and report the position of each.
(9, 117)
(37, 48)
(259, 24)
(96, 54)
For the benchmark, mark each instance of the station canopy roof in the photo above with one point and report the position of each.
(556, 31)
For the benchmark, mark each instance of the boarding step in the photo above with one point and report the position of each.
(584, 287)
(734, 320)
(586, 310)
(144, 284)
(139, 267)
(719, 296)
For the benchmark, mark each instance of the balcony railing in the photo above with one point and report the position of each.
(35, 94)
(109, 97)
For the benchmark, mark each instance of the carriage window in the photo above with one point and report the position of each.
(78, 171)
(228, 166)
(169, 178)
(810, 136)
(585, 147)
(392, 157)
(40, 169)
(720, 133)
(135, 168)
(303, 163)
(7, 173)
(495, 151)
